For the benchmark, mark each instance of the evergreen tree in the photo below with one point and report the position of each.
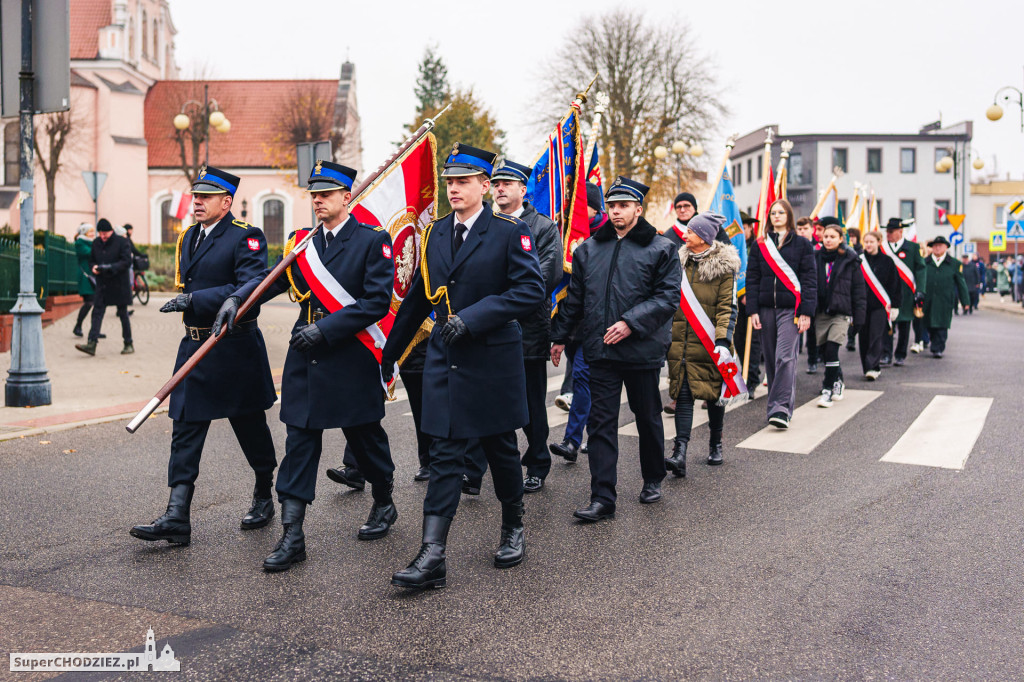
(432, 83)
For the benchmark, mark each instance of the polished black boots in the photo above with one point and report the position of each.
(174, 526)
(513, 538)
(677, 462)
(291, 548)
(428, 570)
(382, 515)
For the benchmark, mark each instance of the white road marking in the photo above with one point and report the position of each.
(943, 435)
(700, 416)
(810, 425)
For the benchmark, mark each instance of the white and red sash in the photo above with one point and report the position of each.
(679, 230)
(334, 297)
(906, 274)
(876, 287)
(705, 331)
(780, 267)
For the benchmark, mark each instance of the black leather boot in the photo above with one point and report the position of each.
(567, 450)
(677, 462)
(715, 454)
(291, 548)
(382, 515)
(513, 538)
(260, 513)
(428, 570)
(174, 526)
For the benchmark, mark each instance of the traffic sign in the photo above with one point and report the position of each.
(955, 238)
(956, 219)
(970, 248)
(997, 240)
(94, 183)
(1015, 230)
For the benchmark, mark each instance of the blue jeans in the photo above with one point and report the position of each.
(580, 410)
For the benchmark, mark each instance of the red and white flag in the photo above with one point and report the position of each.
(181, 205)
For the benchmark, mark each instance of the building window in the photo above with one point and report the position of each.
(170, 226)
(145, 35)
(941, 205)
(874, 161)
(842, 209)
(750, 170)
(906, 209)
(908, 160)
(839, 158)
(795, 174)
(881, 219)
(760, 171)
(273, 221)
(11, 152)
(1000, 216)
(156, 41)
(737, 171)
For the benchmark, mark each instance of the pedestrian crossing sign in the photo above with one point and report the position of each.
(970, 248)
(997, 240)
(1015, 229)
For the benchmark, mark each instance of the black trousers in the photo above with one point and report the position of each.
(644, 398)
(939, 336)
(253, 436)
(811, 341)
(901, 336)
(684, 416)
(413, 382)
(98, 310)
(873, 335)
(297, 477)
(753, 378)
(448, 463)
(84, 310)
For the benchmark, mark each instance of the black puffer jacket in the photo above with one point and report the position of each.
(537, 325)
(765, 290)
(634, 279)
(842, 291)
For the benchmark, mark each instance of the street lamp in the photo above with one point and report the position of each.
(195, 120)
(680, 149)
(995, 112)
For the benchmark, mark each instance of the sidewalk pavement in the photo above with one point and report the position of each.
(990, 301)
(88, 390)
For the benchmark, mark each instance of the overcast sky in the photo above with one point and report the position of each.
(809, 66)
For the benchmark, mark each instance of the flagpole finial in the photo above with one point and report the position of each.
(433, 120)
(581, 98)
(838, 172)
(730, 141)
(769, 136)
(787, 147)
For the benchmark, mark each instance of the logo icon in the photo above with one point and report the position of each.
(527, 246)
(253, 244)
(386, 250)
(202, 172)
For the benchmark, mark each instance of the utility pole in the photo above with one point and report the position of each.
(28, 384)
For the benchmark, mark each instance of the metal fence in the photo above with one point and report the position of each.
(56, 269)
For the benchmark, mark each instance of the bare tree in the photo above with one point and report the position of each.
(306, 114)
(192, 99)
(58, 129)
(659, 88)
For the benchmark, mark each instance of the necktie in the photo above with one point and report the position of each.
(460, 235)
(199, 242)
(329, 236)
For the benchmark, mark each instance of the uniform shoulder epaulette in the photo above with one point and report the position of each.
(509, 218)
(241, 223)
(375, 228)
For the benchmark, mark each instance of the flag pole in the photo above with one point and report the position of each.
(781, 178)
(730, 142)
(762, 208)
(836, 174)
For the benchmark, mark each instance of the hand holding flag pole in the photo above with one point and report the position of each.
(274, 274)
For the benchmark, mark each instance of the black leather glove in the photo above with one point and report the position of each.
(178, 304)
(453, 330)
(387, 371)
(306, 338)
(104, 268)
(226, 315)
(918, 298)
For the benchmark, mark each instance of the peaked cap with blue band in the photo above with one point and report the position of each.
(624, 189)
(215, 181)
(465, 160)
(327, 176)
(509, 170)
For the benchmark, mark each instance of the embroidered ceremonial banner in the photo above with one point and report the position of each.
(732, 379)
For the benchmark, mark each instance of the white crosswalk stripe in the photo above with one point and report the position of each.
(943, 435)
(700, 416)
(810, 425)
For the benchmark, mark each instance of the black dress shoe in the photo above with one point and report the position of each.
(595, 511)
(886, 361)
(812, 367)
(470, 487)
(77, 331)
(101, 336)
(291, 548)
(668, 409)
(513, 538)
(936, 355)
(715, 454)
(585, 449)
(428, 570)
(174, 526)
(260, 513)
(422, 475)
(347, 476)
(650, 493)
(533, 484)
(899, 362)
(567, 450)
(677, 462)
(851, 347)
(378, 523)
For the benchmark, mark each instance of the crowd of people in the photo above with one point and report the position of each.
(475, 330)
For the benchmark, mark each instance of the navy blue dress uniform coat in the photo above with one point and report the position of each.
(475, 387)
(234, 379)
(337, 383)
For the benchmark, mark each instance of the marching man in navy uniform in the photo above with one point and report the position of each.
(332, 377)
(479, 274)
(213, 259)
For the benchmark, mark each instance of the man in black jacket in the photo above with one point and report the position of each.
(110, 259)
(623, 293)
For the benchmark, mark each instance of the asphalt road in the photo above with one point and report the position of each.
(830, 565)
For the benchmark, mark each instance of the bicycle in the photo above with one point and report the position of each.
(140, 289)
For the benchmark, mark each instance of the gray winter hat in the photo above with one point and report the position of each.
(706, 226)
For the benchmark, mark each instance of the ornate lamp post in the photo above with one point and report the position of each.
(995, 112)
(194, 122)
(680, 149)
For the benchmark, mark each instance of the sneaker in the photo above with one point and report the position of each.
(837, 390)
(812, 367)
(779, 420)
(917, 347)
(564, 401)
(826, 398)
(872, 374)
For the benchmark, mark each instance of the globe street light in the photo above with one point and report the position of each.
(995, 112)
(194, 121)
(680, 149)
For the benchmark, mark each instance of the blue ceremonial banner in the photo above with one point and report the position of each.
(724, 203)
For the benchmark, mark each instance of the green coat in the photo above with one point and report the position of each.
(945, 284)
(712, 279)
(83, 247)
(910, 254)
